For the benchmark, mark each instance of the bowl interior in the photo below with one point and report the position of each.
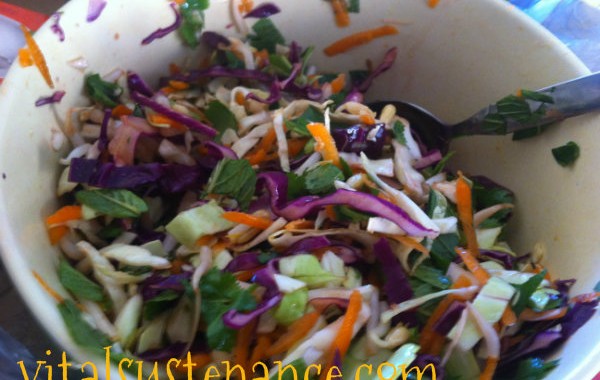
(453, 59)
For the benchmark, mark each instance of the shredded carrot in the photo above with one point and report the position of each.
(63, 215)
(520, 93)
(585, 298)
(240, 99)
(412, 243)
(200, 359)
(241, 350)
(295, 146)
(263, 342)
(47, 288)
(245, 275)
(508, 317)
(428, 335)
(338, 83)
(367, 119)
(176, 266)
(205, 240)
(344, 336)
(330, 212)
(246, 6)
(179, 85)
(25, 58)
(220, 245)
(121, 110)
(299, 224)
(174, 69)
(247, 219)
(464, 203)
(163, 121)
(340, 11)
(37, 56)
(325, 142)
(268, 140)
(296, 331)
(180, 2)
(57, 233)
(433, 3)
(357, 39)
(490, 367)
(473, 265)
(539, 268)
(437, 344)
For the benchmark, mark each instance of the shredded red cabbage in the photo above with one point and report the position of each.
(56, 97)
(174, 350)
(236, 320)
(103, 138)
(95, 8)
(396, 287)
(56, 28)
(157, 283)
(136, 83)
(214, 40)
(162, 32)
(388, 61)
(449, 319)
(186, 120)
(430, 158)
(263, 10)
(220, 71)
(354, 139)
(244, 261)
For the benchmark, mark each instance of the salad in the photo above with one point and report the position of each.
(257, 210)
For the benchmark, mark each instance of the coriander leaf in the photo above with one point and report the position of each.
(534, 369)
(118, 203)
(159, 304)
(525, 290)
(220, 117)
(266, 35)
(221, 293)
(101, 91)
(354, 6)
(81, 331)
(398, 130)
(234, 178)
(78, 283)
(442, 250)
(566, 154)
(320, 179)
(192, 14)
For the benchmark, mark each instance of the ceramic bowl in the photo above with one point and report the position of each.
(452, 59)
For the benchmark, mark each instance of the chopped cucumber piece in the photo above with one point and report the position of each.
(190, 225)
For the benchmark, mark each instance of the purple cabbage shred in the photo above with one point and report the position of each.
(162, 32)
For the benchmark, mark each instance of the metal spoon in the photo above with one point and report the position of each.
(525, 114)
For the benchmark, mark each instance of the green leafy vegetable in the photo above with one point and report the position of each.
(534, 369)
(220, 293)
(221, 117)
(81, 331)
(306, 268)
(345, 213)
(78, 283)
(233, 61)
(320, 179)
(192, 14)
(354, 6)
(484, 197)
(298, 125)
(525, 290)
(280, 64)
(234, 178)
(266, 35)
(566, 154)
(296, 186)
(300, 368)
(118, 203)
(398, 130)
(101, 91)
(433, 276)
(442, 250)
(430, 172)
(162, 302)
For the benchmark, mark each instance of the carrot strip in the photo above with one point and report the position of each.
(247, 219)
(412, 243)
(242, 346)
(295, 146)
(25, 59)
(299, 224)
(367, 119)
(464, 203)
(437, 344)
(473, 265)
(338, 83)
(200, 359)
(263, 342)
(246, 6)
(121, 110)
(268, 140)
(433, 3)
(296, 331)
(204, 240)
(57, 297)
(357, 39)
(340, 11)
(490, 367)
(37, 56)
(63, 215)
(330, 212)
(508, 317)
(57, 233)
(244, 276)
(325, 142)
(179, 85)
(240, 99)
(156, 119)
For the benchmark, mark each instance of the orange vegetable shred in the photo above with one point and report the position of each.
(464, 203)
(247, 219)
(360, 38)
(294, 333)
(37, 56)
(25, 58)
(325, 143)
(340, 11)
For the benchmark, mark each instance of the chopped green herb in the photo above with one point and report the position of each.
(280, 64)
(525, 290)
(233, 61)
(78, 283)
(354, 6)
(346, 213)
(81, 331)
(103, 92)
(441, 164)
(192, 14)
(566, 154)
(398, 130)
(118, 203)
(110, 232)
(298, 125)
(266, 35)
(234, 178)
(484, 197)
(442, 250)
(162, 302)
(296, 186)
(221, 117)
(346, 168)
(432, 276)
(305, 57)
(320, 180)
(220, 293)
(298, 367)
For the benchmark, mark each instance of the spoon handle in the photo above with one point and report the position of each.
(532, 109)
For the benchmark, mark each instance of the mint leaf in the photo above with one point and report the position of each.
(525, 290)
(220, 117)
(101, 91)
(118, 203)
(234, 178)
(221, 293)
(78, 283)
(266, 35)
(192, 14)
(566, 154)
(81, 331)
(320, 179)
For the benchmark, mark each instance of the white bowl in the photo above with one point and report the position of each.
(453, 60)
